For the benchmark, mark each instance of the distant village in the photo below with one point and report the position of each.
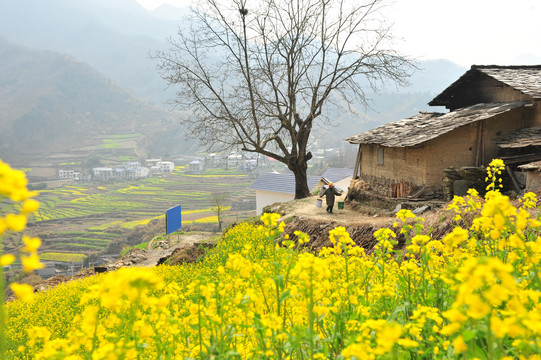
(135, 170)
(131, 170)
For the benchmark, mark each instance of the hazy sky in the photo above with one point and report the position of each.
(483, 32)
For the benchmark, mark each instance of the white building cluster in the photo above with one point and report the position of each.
(132, 170)
(68, 174)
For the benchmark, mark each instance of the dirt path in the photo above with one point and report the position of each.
(307, 208)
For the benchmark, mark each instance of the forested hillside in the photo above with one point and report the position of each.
(57, 103)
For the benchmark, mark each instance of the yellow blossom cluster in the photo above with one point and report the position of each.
(17, 200)
(494, 169)
(471, 294)
(13, 187)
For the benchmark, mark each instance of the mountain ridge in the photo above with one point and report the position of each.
(57, 103)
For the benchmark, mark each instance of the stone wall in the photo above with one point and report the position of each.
(458, 181)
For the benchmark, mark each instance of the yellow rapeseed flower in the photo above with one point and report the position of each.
(24, 292)
(29, 206)
(459, 344)
(31, 262)
(32, 244)
(270, 219)
(6, 259)
(15, 222)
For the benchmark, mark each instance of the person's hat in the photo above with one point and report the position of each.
(331, 184)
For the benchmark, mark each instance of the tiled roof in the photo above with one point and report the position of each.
(425, 126)
(526, 79)
(337, 174)
(522, 138)
(283, 183)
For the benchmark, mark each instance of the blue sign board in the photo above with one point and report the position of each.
(173, 219)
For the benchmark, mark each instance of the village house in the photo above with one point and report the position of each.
(166, 166)
(488, 105)
(68, 174)
(271, 188)
(234, 160)
(102, 173)
(196, 167)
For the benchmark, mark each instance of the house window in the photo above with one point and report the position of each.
(380, 156)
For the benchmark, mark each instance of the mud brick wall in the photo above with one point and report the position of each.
(382, 186)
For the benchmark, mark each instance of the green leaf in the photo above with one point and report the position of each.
(279, 281)
(469, 334)
(283, 296)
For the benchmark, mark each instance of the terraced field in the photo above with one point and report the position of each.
(86, 218)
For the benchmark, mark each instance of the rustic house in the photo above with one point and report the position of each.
(487, 104)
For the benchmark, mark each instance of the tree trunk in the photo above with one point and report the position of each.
(301, 182)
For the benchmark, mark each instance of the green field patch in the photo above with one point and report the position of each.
(88, 237)
(64, 191)
(104, 226)
(126, 136)
(79, 246)
(140, 190)
(103, 234)
(91, 241)
(114, 141)
(110, 144)
(58, 256)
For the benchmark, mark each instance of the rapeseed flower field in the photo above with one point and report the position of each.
(474, 294)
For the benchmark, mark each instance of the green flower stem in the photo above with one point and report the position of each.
(3, 324)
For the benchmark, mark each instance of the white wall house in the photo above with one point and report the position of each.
(234, 160)
(133, 164)
(271, 188)
(67, 174)
(102, 173)
(142, 172)
(196, 167)
(166, 166)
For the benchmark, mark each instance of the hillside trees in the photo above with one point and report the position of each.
(258, 75)
(219, 201)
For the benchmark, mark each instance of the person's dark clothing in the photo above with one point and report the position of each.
(329, 193)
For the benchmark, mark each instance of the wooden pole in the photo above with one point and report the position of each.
(478, 146)
(357, 164)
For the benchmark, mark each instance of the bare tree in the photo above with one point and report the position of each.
(255, 75)
(219, 205)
